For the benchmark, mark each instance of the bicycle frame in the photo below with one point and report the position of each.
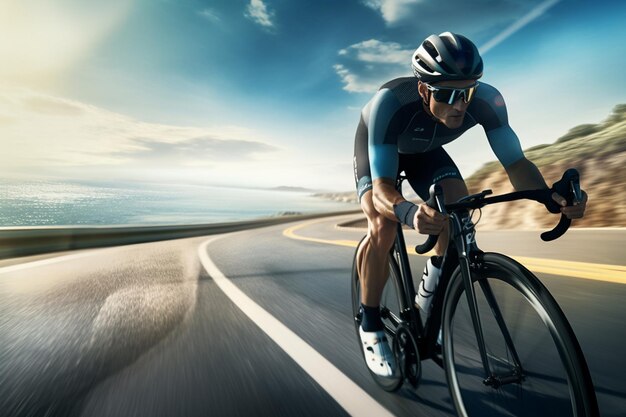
(462, 251)
(470, 257)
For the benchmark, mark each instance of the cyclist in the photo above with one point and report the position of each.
(403, 128)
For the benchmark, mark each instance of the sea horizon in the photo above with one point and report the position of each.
(63, 202)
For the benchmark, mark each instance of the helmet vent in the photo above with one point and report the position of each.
(446, 67)
(425, 66)
(447, 56)
(430, 48)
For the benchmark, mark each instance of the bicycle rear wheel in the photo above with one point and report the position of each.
(537, 366)
(390, 304)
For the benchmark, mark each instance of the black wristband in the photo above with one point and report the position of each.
(405, 212)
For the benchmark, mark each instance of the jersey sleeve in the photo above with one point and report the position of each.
(492, 115)
(505, 144)
(383, 157)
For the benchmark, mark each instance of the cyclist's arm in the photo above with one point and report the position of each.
(492, 112)
(383, 157)
(524, 175)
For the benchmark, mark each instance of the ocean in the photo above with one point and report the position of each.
(67, 203)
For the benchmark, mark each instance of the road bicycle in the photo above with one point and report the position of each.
(506, 345)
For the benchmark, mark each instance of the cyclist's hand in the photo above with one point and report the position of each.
(575, 211)
(429, 221)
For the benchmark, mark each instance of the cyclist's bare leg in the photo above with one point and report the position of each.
(372, 263)
(453, 189)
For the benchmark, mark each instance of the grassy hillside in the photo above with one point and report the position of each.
(598, 151)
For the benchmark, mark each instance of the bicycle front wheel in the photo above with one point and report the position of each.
(390, 306)
(536, 366)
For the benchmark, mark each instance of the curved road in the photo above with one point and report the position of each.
(145, 330)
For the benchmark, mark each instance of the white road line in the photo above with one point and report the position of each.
(349, 395)
(44, 262)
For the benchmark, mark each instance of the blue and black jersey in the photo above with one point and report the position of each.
(395, 133)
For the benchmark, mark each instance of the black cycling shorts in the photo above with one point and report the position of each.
(422, 169)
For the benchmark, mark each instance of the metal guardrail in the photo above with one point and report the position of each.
(16, 242)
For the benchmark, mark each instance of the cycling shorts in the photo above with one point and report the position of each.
(422, 169)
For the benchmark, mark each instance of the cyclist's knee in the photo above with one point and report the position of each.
(381, 230)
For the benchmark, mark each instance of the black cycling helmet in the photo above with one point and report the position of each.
(447, 57)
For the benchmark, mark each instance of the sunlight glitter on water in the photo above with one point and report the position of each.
(48, 203)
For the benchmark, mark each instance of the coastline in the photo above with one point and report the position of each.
(342, 197)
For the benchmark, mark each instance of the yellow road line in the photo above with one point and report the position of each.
(289, 232)
(597, 272)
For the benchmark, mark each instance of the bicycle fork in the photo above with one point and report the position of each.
(463, 232)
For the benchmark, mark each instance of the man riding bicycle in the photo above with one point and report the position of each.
(403, 128)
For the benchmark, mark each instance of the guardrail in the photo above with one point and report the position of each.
(16, 242)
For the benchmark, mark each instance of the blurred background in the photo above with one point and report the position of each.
(184, 115)
(190, 111)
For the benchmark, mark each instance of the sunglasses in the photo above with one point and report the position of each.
(449, 95)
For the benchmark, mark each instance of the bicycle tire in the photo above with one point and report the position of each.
(508, 279)
(393, 284)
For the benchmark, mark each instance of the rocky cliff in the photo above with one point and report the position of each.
(598, 151)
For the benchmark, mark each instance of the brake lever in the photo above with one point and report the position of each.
(575, 190)
(567, 187)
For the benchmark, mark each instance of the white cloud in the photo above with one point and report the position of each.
(257, 11)
(200, 151)
(44, 136)
(353, 83)
(210, 15)
(47, 132)
(392, 11)
(370, 63)
(375, 51)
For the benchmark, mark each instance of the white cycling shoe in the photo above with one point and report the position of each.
(378, 354)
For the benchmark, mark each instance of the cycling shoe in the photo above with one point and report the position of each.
(378, 354)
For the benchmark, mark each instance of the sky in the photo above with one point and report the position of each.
(266, 93)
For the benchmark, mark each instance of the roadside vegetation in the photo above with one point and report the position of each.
(598, 151)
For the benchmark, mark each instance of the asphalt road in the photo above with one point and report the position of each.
(145, 330)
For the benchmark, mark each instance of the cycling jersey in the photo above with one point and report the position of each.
(394, 123)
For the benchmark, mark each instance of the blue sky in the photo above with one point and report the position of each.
(268, 92)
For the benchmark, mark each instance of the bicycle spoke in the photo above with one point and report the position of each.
(540, 387)
(532, 395)
(497, 313)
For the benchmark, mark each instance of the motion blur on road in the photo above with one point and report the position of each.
(145, 330)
